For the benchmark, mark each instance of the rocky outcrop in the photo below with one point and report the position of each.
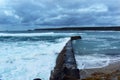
(66, 67)
(76, 37)
(37, 79)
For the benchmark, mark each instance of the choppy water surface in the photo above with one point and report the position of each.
(28, 56)
(25, 56)
(97, 49)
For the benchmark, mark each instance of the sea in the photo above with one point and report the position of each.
(29, 55)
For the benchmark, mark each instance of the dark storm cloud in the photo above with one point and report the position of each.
(59, 12)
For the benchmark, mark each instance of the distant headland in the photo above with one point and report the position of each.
(116, 28)
(111, 28)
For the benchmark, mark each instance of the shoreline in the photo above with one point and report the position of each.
(112, 72)
(74, 28)
(108, 28)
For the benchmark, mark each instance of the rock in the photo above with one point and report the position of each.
(69, 78)
(66, 67)
(76, 37)
(37, 79)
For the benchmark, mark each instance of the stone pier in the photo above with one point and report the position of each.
(66, 67)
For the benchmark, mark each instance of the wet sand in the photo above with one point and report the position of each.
(110, 72)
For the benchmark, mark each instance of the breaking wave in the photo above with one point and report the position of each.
(22, 58)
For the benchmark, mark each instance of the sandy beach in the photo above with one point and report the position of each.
(110, 72)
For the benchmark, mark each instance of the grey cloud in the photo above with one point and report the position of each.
(60, 13)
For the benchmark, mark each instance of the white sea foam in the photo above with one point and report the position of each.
(39, 34)
(95, 61)
(92, 61)
(28, 60)
(114, 59)
(26, 34)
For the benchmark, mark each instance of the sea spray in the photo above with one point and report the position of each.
(27, 59)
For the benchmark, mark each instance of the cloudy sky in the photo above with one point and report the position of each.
(29, 14)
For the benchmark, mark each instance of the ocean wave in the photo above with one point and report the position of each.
(92, 61)
(25, 34)
(37, 34)
(95, 60)
(50, 37)
(28, 60)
